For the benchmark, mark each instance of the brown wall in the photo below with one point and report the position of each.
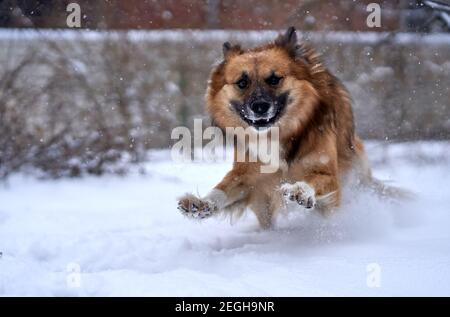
(208, 14)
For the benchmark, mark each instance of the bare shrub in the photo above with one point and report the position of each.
(68, 108)
(91, 102)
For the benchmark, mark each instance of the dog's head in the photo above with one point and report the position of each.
(265, 86)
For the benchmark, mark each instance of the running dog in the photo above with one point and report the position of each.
(282, 84)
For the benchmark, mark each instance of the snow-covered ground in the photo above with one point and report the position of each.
(126, 237)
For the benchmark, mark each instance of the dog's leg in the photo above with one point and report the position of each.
(264, 209)
(315, 191)
(313, 179)
(229, 191)
(327, 191)
(300, 192)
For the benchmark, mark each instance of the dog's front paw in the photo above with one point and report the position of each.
(194, 207)
(299, 192)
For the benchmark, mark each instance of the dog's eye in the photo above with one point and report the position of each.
(273, 80)
(242, 83)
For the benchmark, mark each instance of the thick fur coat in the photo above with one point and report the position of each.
(282, 84)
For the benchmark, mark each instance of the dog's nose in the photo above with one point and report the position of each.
(260, 107)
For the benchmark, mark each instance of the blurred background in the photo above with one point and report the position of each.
(94, 98)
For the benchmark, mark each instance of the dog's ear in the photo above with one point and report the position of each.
(288, 41)
(229, 49)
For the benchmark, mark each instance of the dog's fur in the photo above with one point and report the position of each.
(318, 144)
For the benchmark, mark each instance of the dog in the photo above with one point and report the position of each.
(282, 84)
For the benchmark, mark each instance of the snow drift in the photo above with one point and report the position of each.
(123, 236)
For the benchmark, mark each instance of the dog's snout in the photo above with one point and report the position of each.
(260, 107)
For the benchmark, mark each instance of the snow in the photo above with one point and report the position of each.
(200, 36)
(126, 237)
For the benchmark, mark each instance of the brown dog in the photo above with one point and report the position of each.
(282, 84)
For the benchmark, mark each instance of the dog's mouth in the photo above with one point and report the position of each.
(261, 113)
(262, 122)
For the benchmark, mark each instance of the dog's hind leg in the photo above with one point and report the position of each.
(264, 209)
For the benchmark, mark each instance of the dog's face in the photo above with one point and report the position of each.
(259, 93)
(262, 87)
